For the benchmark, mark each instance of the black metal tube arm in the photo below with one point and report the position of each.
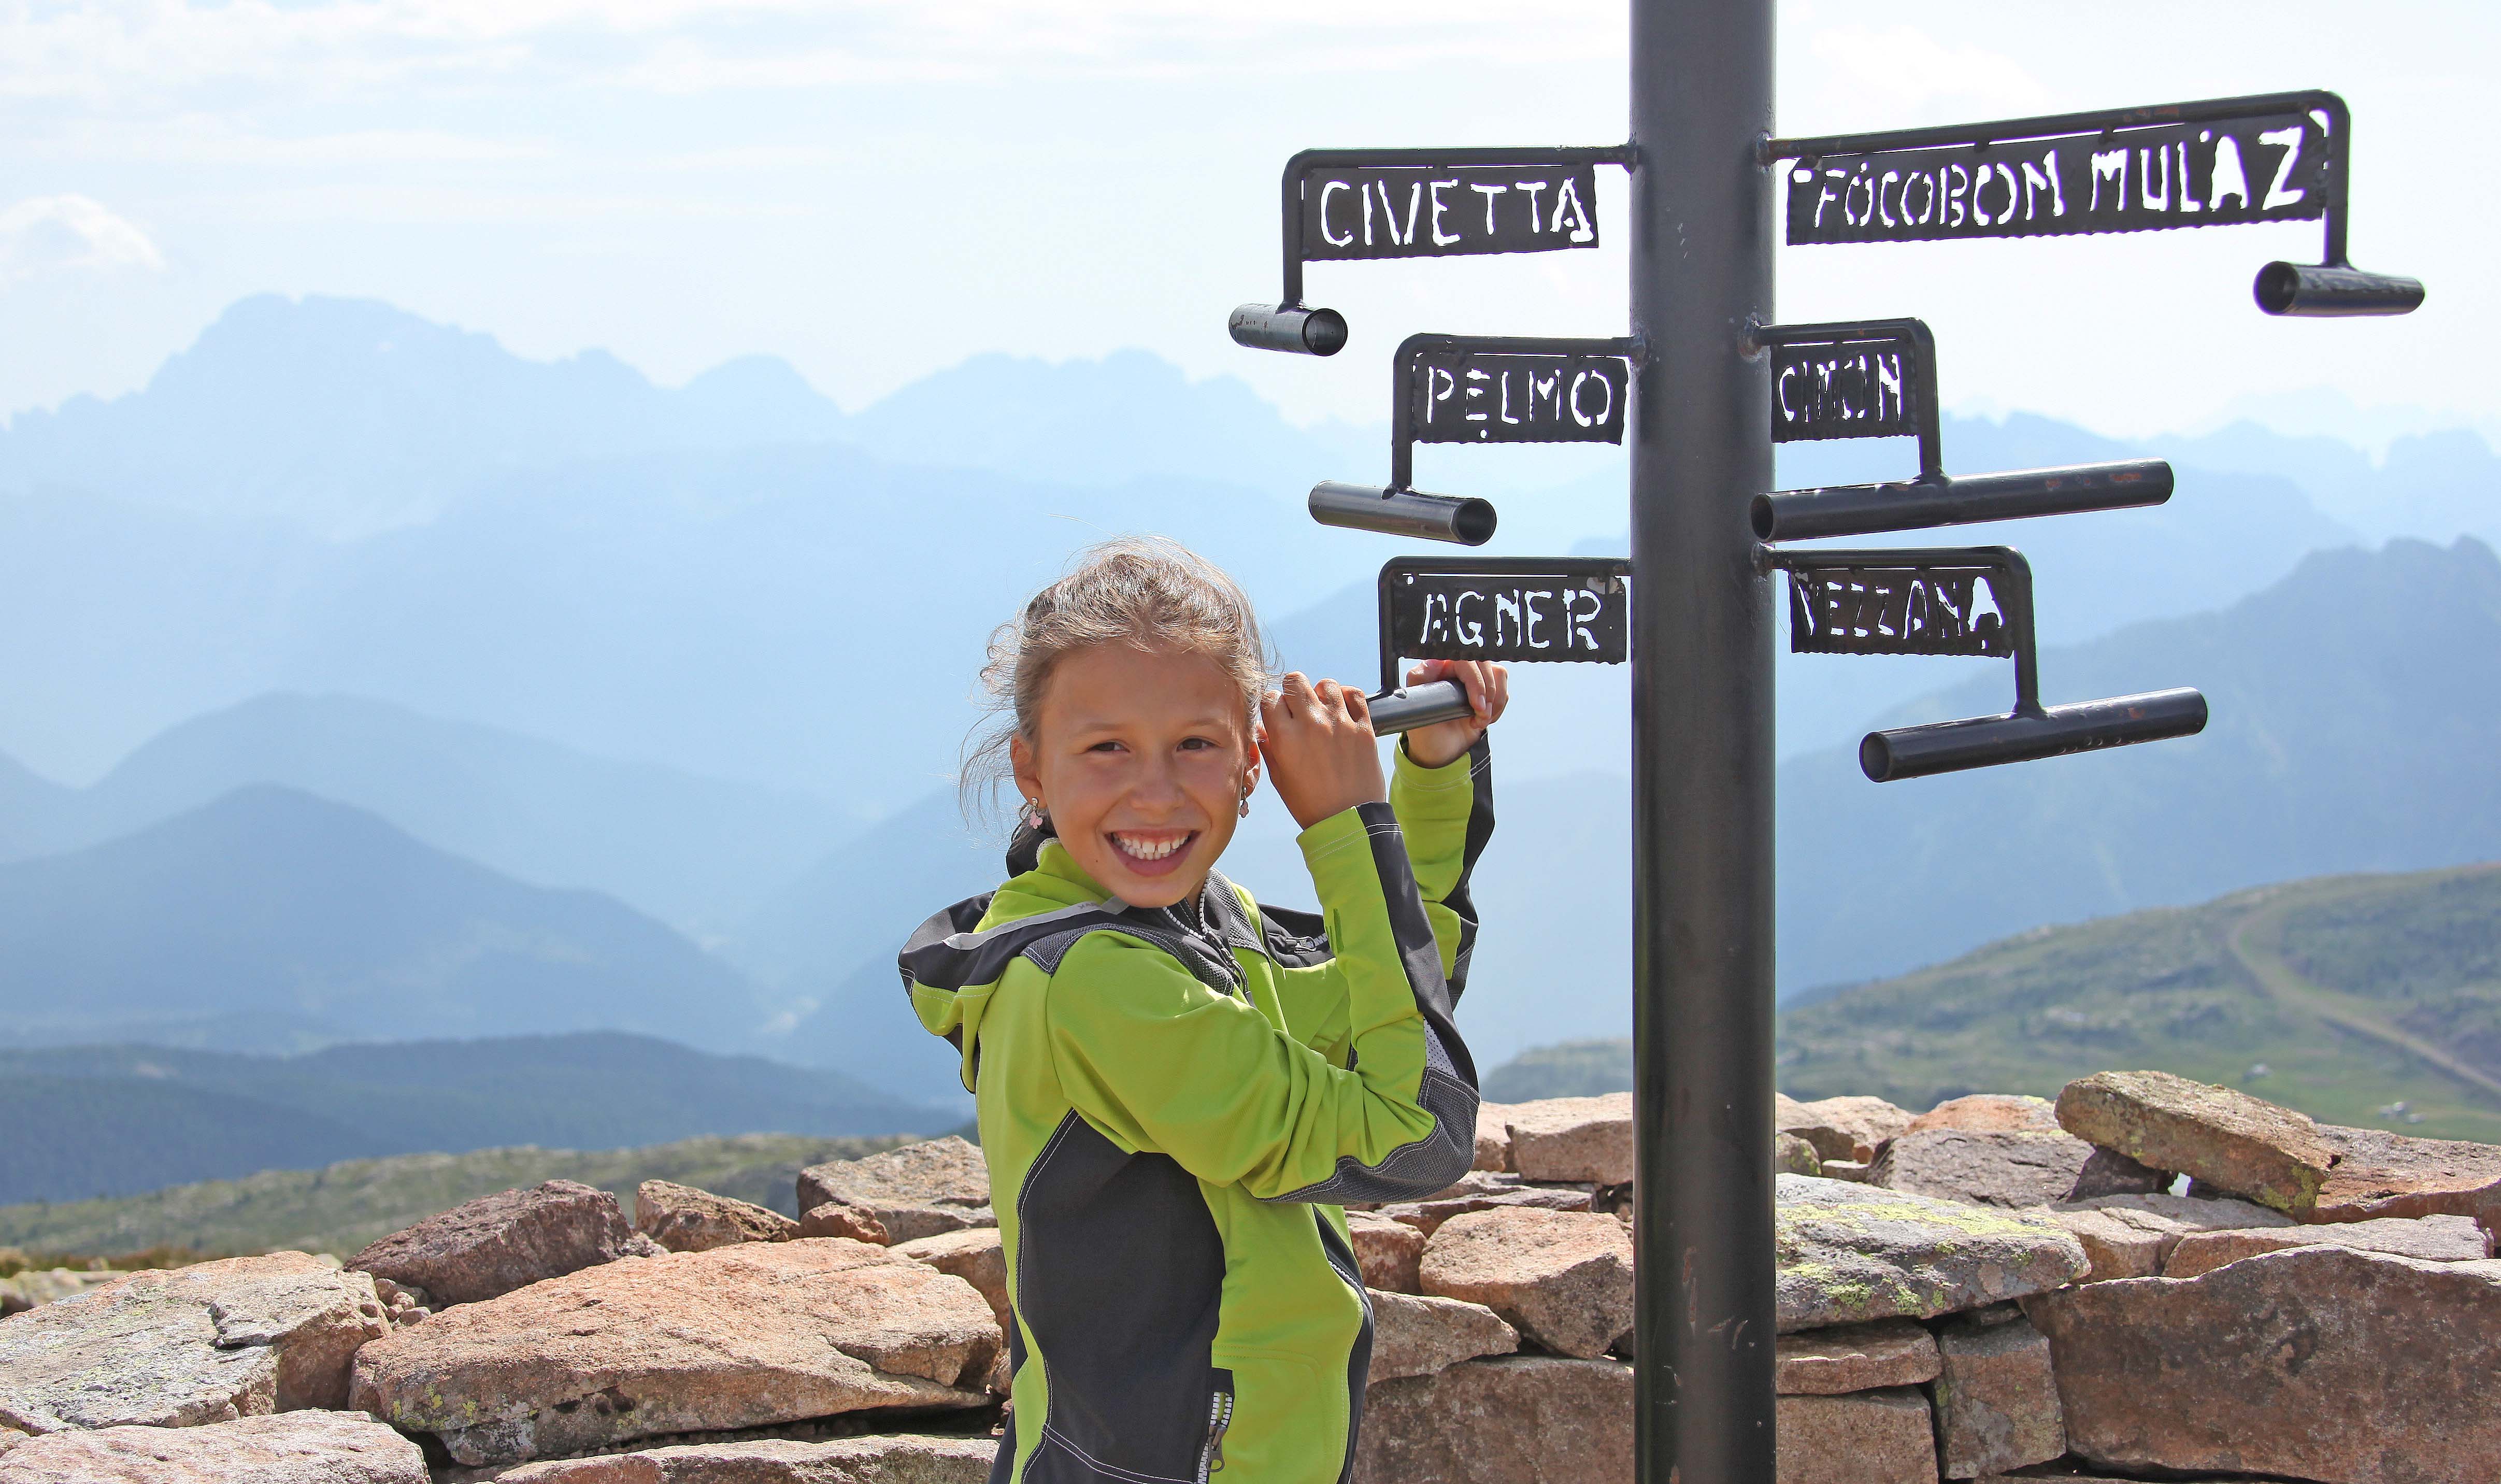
(2027, 736)
(1864, 510)
(1410, 707)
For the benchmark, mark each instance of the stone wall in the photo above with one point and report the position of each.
(1999, 1288)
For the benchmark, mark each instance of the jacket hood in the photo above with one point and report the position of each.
(954, 961)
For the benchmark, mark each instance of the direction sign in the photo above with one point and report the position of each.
(1928, 609)
(1407, 211)
(1515, 609)
(1862, 379)
(1457, 394)
(2112, 175)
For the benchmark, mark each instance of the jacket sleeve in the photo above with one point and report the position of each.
(1161, 1062)
(1445, 815)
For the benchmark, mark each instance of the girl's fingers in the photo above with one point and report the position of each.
(1498, 683)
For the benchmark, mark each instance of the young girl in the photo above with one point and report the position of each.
(1179, 1088)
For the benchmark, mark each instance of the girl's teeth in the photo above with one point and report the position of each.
(1149, 850)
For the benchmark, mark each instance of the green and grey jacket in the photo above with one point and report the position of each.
(1176, 1103)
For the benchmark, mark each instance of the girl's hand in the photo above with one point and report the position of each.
(1322, 758)
(1489, 687)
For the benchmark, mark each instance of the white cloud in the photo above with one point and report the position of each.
(65, 232)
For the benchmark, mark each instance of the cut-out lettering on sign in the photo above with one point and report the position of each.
(1896, 611)
(1400, 211)
(1510, 618)
(1461, 396)
(1866, 389)
(2271, 168)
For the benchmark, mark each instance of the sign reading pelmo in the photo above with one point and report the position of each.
(1462, 395)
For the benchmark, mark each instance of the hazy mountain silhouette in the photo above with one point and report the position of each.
(110, 1120)
(271, 920)
(696, 852)
(349, 415)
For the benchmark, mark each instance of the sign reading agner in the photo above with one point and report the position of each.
(1511, 617)
(1477, 396)
(1931, 609)
(1405, 211)
(2273, 167)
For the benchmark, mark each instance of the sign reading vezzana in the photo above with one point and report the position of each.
(2268, 168)
(1477, 396)
(1929, 610)
(1403, 211)
(1512, 616)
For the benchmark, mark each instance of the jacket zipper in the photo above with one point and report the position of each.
(1219, 1416)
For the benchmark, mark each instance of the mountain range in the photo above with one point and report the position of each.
(428, 692)
(2358, 1000)
(114, 1120)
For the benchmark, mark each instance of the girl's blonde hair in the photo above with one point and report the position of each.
(1143, 591)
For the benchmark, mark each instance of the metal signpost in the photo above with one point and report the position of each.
(1706, 384)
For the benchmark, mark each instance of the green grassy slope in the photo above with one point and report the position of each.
(2339, 996)
(343, 1206)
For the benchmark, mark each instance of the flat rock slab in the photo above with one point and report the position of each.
(315, 1447)
(1563, 1279)
(212, 1342)
(2432, 1238)
(497, 1244)
(2132, 1236)
(1990, 1113)
(1387, 1251)
(1852, 1253)
(1856, 1358)
(1848, 1128)
(1586, 1139)
(919, 1190)
(900, 1457)
(2217, 1136)
(1866, 1437)
(1523, 1419)
(740, 1336)
(684, 1219)
(2000, 1167)
(1996, 1399)
(1493, 1136)
(975, 1255)
(1480, 1192)
(1414, 1335)
(2382, 1174)
(2315, 1363)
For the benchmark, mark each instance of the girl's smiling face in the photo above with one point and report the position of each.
(1142, 757)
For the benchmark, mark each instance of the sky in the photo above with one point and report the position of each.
(875, 189)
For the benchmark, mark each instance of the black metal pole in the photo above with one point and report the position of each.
(1702, 743)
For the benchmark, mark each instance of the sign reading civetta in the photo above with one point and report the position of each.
(1925, 610)
(1515, 617)
(2266, 167)
(1459, 395)
(1406, 210)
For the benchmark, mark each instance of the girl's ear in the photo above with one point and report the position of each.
(1028, 777)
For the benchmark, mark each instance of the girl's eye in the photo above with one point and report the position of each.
(1196, 744)
(1105, 747)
